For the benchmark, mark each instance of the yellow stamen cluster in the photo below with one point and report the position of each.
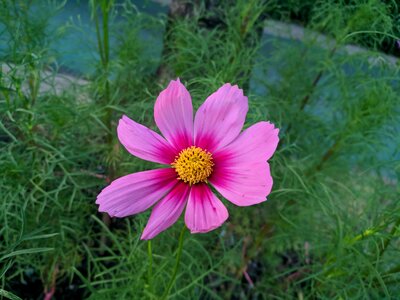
(193, 165)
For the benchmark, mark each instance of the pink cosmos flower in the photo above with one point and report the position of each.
(209, 150)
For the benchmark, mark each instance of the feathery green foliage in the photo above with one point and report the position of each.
(330, 228)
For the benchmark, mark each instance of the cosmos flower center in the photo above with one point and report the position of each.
(193, 165)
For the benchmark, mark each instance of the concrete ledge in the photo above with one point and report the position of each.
(299, 33)
(51, 82)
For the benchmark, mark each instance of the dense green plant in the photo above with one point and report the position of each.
(374, 23)
(330, 228)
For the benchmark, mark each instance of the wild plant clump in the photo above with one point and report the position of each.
(331, 226)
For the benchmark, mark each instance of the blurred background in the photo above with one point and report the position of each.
(325, 72)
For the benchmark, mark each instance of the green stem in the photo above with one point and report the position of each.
(389, 238)
(104, 50)
(328, 154)
(105, 62)
(178, 260)
(306, 98)
(99, 41)
(393, 270)
(150, 267)
(106, 11)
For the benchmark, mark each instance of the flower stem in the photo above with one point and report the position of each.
(178, 260)
(150, 267)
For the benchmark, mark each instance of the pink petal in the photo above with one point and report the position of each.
(144, 143)
(204, 211)
(241, 173)
(173, 113)
(221, 117)
(256, 143)
(245, 184)
(167, 211)
(134, 193)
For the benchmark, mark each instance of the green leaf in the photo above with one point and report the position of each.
(26, 251)
(9, 295)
